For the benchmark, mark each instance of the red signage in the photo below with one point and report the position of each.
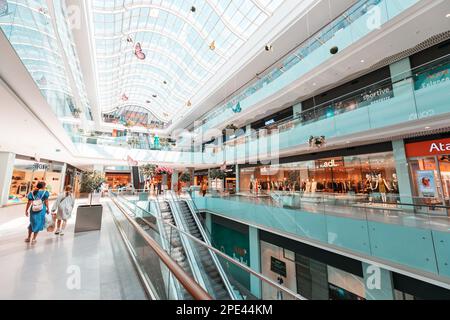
(428, 148)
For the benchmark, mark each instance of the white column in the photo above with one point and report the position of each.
(63, 178)
(6, 172)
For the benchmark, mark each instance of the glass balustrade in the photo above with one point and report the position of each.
(357, 22)
(414, 236)
(169, 236)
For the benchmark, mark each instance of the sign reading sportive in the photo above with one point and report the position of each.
(428, 148)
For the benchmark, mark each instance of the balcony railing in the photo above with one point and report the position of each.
(398, 234)
(350, 27)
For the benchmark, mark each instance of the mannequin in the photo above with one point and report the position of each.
(383, 186)
(394, 183)
(313, 186)
(308, 186)
(251, 186)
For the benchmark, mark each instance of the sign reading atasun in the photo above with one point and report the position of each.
(428, 148)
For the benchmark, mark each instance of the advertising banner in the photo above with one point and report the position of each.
(426, 184)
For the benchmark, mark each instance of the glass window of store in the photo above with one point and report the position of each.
(370, 176)
(429, 164)
(27, 173)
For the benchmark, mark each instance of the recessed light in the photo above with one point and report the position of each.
(427, 128)
(362, 61)
(314, 84)
(448, 15)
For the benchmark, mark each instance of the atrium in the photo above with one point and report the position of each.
(225, 150)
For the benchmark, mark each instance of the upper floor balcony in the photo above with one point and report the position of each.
(349, 28)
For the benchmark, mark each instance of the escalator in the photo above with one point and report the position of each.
(214, 275)
(176, 250)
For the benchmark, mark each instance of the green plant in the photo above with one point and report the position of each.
(185, 177)
(91, 181)
(148, 170)
(217, 174)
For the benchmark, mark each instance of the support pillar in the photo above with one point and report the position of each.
(6, 172)
(174, 181)
(237, 178)
(255, 260)
(378, 283)
(401, 163)
(63, 178)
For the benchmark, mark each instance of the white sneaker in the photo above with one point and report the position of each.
(57, 231)
(61, 233)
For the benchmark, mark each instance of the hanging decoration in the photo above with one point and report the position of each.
(124, 97)
(237, 108)
(316, 142)
(138, 51)
(212, 46)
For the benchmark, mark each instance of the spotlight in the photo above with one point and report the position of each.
(334, 50)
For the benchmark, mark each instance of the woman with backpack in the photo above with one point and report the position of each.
(63, 207)
(37, 208)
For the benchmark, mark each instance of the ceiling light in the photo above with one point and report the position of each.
(334, 50)
(189, 103)
(427, 128)
(165, 82)
(362, 61)
(314, 84)
(269, 47)
(154, 95)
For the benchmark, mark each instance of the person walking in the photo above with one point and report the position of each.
(63, 207)
(204, 188)
(37, 207)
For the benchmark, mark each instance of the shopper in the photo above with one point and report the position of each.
(63, 207)
(37, 207)
(204, 188)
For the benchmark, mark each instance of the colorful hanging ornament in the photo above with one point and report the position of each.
(237, 108)
(124, 97)
(138, 51)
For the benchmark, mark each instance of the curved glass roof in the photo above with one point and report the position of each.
(160, 53)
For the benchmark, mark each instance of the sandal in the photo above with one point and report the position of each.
(27, 240)
(33, 241)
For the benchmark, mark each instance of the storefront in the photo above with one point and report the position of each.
(118, 179)
(429, 165)
(28, 172)
(370, 176)
(200, 176)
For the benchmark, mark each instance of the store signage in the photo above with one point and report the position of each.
(278, 266)
(378, 96)
(428, 148)
(329, 164)
(39, 166)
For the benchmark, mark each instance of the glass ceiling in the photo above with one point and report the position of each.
(28, 26)
(158, 54)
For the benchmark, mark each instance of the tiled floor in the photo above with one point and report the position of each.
(92, 265)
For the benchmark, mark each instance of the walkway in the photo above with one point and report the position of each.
(49, 269)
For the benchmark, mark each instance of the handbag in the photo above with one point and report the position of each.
(49, 223)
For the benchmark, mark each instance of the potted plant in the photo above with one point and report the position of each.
(217, 174)
(89, 217)
(186, 178)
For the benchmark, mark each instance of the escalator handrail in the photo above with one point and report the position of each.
(206, 238)
(261, 277)
(192, 287)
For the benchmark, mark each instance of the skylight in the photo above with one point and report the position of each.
(166, 51)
